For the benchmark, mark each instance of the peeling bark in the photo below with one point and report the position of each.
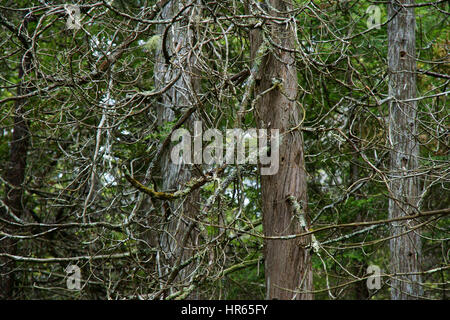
(404, 187)
(173, 57)
(288, 269)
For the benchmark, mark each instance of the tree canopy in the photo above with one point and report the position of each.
(91, 95)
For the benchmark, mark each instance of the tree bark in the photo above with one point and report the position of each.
(404, 187)
(288, 269)
(180, 238)
(15, 176)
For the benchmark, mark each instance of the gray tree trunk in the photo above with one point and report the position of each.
(404, 188)
(180, 237)
(288, 269)
(15, 176)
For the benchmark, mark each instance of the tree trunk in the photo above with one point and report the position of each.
(180, 238)
(15, 176)
(288, 269)
(404, 189)
(359, 268)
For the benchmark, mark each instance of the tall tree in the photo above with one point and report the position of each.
(405, 245)
(79, 130)
(288, 269)
(176, 59)
(16, 169)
